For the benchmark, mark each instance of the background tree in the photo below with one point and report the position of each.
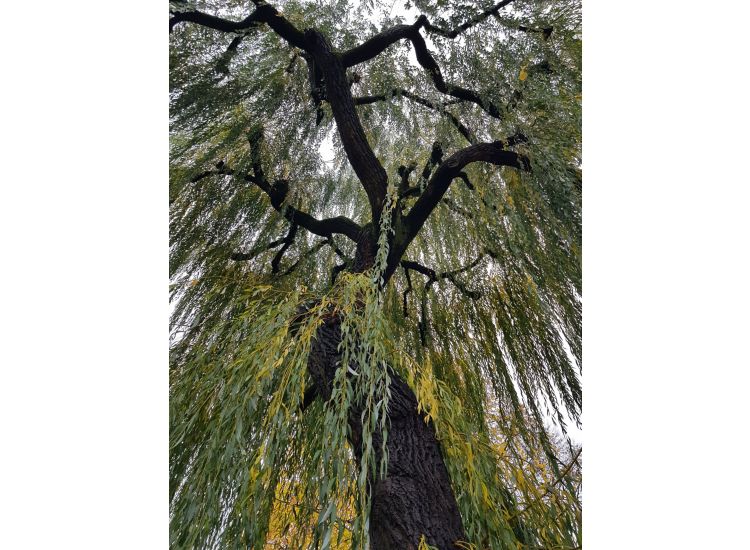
(365, 348)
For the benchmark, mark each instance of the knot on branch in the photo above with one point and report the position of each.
(278, 193)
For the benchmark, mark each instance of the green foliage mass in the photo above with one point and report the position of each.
(491, 345)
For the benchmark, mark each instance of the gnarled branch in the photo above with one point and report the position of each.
(494, 153)
(375, 45)
(264, 13)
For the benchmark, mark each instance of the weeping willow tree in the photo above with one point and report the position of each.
(375, 220)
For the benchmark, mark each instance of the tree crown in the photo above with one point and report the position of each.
(418, 175)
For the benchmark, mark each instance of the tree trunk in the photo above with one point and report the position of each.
(415, 498)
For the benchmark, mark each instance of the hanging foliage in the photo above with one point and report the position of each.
(371, 205)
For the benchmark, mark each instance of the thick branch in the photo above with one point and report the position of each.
(264, 13)
(222, 65)
(213, 22)
(375, 45)
(424, 57)
(494, 153)
(323, 228)
(364, 162)
(277, 192)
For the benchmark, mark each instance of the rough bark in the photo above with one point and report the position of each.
(415, 498)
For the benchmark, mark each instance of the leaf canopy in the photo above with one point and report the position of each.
(482, 315)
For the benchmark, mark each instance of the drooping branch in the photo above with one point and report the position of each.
(453, 33)
(425, 59)
(398, 92)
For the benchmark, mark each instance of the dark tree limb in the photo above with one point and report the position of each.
(375, 45)
(292, 61)
(264, 13)
(546, 31)
(434, 277)
(397, 92)
(364, 162)
(423, 313)
(322, 228)
(288, 240)
(453, 33)
(244, 256)
(405, 172)
(425, 59)
(409, 226)
(277, 192)
(436, 157)
(493, 153)
(409, 288)
(338, 268)
(451, 204)
(222, 65)
(212, 22)
(310, 394)
(307, 254)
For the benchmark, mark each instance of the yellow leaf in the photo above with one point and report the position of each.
(523, 74)
(486, 495)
